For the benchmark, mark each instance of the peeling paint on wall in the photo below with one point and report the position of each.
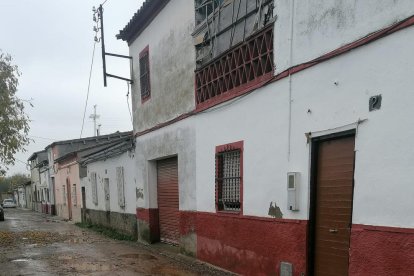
(274, 211)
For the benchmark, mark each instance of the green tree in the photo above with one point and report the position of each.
(7, 184)
(14, 123)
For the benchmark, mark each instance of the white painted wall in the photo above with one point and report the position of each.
(175, 140)
(384, 142)
(22, 197)
(172, 65)
(44, 179)
(324, 25)
(34, 172)
(107, 169)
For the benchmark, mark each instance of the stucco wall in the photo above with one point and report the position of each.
(51, 175)
(172, 64)
(174, 140)
(68, 171)
(44, 178)
(325, 97)
(122, 222)
(34, 173)
(322, 26)
(107, 169)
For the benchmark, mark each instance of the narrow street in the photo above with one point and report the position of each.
(34, 244)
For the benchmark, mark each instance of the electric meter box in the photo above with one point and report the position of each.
(292, 190)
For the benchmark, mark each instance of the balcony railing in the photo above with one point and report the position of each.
(239, 70)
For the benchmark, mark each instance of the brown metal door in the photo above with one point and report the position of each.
(333, 206)
(167, 189)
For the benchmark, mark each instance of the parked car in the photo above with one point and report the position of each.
(1, 213)
(9, 203)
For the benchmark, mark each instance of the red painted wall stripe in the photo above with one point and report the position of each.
(363, 227)
(251, 246)
(151, 217)
(256, 245)
(381, 251)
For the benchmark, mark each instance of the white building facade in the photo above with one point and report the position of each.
(304, 167)
(110, 190)
(164, 159)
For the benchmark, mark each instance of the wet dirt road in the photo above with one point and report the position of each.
(35, 244)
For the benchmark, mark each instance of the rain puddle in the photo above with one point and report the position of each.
(21, 260)
(91, 266)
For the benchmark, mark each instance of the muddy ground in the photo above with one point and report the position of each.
(36, 244)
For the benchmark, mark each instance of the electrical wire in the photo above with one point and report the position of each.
(21, 161)
(40, 137)
(130, 114)
(89, 86)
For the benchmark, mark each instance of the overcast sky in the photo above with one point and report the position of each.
(51, 41)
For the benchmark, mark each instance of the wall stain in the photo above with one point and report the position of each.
(274, 211)
(140, 193)
(322, 17)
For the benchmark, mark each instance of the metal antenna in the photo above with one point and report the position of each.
(94, 117)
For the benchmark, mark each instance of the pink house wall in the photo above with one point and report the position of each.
(68, 172)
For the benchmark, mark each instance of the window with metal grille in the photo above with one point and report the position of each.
(229, 172)
(144, 74)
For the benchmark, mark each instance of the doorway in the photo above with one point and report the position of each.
(107, 195)
(69, 198)
(332, 186)
(168, 203)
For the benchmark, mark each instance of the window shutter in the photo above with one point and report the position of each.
(63, 194)
(120, 184)
(74, 196)
(144, 72)
(94, 188)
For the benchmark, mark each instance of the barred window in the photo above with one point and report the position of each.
(229, 178)
(144, 77)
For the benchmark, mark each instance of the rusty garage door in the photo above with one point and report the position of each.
(333, 195)
(167, 190)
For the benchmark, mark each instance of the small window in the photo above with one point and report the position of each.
(229, 173)
(94, 188)
(121, 186)
(144, 75)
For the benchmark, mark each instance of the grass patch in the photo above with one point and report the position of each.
(111, 233)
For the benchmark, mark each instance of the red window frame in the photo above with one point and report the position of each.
(144, 74)
(221, 151)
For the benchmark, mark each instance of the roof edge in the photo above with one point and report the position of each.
(141, 19)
